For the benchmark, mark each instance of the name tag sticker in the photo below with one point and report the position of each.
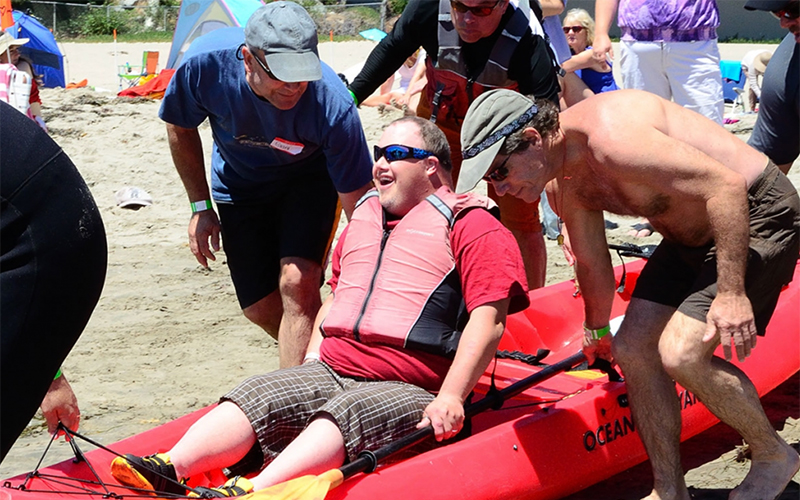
(293, 148)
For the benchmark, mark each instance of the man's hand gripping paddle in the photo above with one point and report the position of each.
(316, 487)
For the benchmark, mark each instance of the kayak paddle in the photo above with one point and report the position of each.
(312, 487)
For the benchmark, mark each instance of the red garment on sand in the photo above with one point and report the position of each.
(154, 89)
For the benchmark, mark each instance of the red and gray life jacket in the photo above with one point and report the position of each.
(450, 90)
(401, 287)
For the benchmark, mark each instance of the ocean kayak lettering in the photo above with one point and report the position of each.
(621, 427)
(609, 432)
(687, 399)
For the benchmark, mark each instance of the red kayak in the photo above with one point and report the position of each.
(555, 438)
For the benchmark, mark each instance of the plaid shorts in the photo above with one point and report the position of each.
(282, 403)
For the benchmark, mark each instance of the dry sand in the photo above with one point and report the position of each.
(167, 336)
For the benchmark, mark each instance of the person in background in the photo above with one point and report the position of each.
(778, 124)
(406, 95)
(667, 48)
(595, 73)
(754, 64)
(9, 54)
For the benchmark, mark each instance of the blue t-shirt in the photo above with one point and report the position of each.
(323, 129)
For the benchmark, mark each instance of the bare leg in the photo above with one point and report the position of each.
(299, 288)
(220, 438)
(654, 403)
(267, 313)
(730, 395)
(534, 256)
(320, 447)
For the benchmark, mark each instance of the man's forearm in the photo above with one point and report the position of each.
(187, 155)
(603, 15)
(729, 217)
(476, 349)
(597, 284)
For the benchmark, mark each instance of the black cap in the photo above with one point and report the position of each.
(768, 5)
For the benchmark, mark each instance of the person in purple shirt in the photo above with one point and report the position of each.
(668, 48)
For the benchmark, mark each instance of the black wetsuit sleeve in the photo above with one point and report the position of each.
(417, 27)
(532, 68)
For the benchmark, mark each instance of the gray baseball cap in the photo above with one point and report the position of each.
(491, 118)
(288, 37)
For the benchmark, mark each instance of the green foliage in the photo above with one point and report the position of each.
(396, 7)
(365, 14)
(101, 22)
(144, 36)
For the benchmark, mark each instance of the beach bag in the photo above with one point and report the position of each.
(15, 88)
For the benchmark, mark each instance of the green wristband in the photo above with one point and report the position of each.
(200, 206)
(58, 374)
(355, 99)
(596, 334)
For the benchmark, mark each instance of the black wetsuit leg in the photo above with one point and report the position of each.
(53, 259)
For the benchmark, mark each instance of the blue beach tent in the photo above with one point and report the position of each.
(42, 49)
(198, 17)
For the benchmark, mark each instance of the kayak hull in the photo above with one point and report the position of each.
(556, 438)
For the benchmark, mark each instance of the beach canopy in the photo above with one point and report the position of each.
(42, 49)
(198, 17)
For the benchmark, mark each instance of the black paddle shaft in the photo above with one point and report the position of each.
(368, 460)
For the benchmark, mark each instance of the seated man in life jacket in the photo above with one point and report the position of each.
(422, 282)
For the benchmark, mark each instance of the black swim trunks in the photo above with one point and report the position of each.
(686, 277)
(298, 222)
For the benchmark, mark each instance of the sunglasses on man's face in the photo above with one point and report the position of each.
(498, 174)
(481, 11)
(792, 11)
(260, 63)
(395, 152)
(575, 29)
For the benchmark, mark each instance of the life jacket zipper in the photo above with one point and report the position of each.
(384, 238)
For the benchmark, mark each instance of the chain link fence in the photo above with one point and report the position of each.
(73, 20)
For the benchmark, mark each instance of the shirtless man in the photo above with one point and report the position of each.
(714, 279)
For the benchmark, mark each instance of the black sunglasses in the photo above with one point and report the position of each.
(576, 29)
(498, 174)
(395, 152)
(476, 11)
(260, 63)
(791, 11)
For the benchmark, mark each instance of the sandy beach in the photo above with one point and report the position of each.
(167, 336)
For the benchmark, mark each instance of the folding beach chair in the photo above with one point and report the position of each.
(132, 75)
(732, 78)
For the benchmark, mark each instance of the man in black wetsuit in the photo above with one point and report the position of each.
(53, 258)
(472, 46)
